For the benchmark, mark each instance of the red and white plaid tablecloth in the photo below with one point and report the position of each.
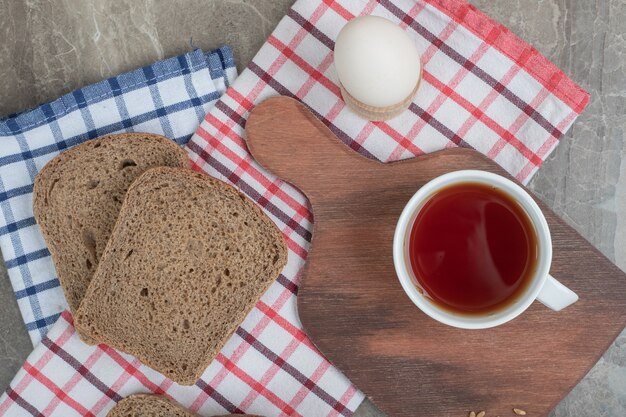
(483, 88)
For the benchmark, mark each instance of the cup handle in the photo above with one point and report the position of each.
(555, 295)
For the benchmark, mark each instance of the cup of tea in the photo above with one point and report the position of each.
(472, 249)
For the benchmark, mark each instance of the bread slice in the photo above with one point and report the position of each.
(187, 260)
(78, 195)
(148, 405)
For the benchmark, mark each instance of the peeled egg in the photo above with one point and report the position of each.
(378, 66)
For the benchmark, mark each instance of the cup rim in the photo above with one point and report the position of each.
(404, 271)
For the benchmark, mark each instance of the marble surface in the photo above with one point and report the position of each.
(48, 48)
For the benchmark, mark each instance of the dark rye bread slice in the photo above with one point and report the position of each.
(148, 405)
(187, 260)
(77, 197)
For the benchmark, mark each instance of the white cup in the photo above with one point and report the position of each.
(542, 286)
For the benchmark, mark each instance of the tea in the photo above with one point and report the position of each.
(472, 248)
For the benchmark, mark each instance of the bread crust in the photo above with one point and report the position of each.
(138, 404)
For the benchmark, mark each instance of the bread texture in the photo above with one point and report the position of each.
(149, 405)
(188, 259)
(78, 195)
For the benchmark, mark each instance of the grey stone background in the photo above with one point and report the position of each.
(48, 48)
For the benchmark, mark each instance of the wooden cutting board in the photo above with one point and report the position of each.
(353, 308)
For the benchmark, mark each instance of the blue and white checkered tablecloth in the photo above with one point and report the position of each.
(170, 97)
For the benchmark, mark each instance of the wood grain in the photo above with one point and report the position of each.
(355, 311)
